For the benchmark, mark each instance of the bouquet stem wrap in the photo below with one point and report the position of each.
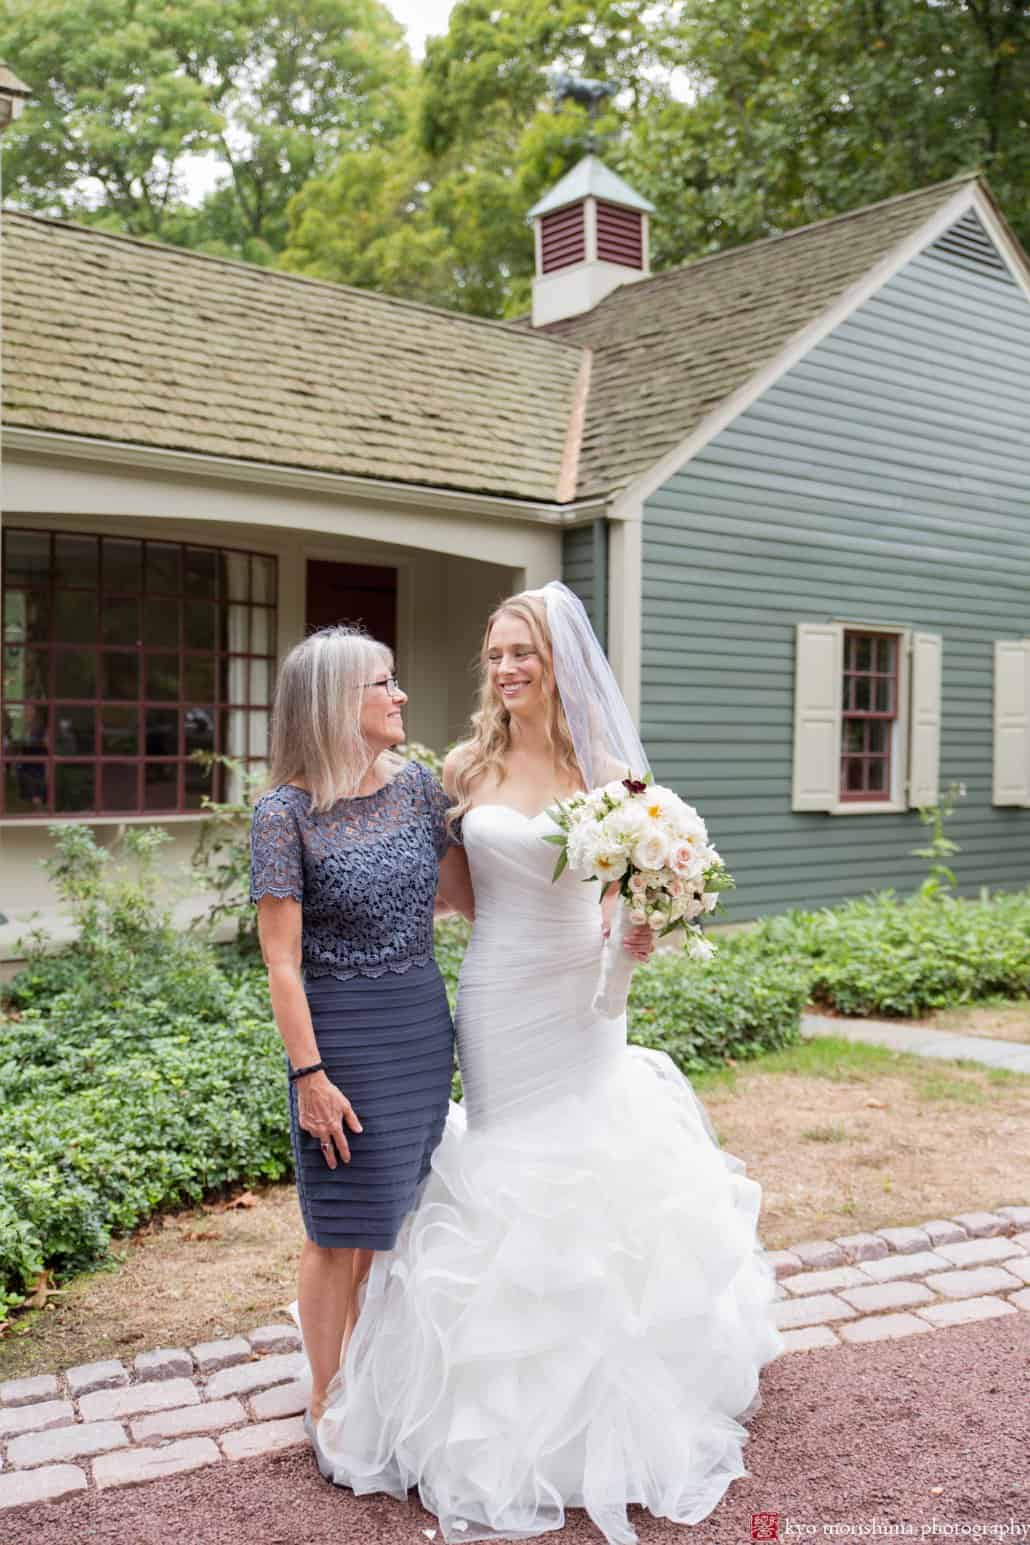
(617, 967)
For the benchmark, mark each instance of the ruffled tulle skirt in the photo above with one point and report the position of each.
(574, 1315)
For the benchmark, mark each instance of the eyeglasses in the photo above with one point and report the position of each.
(391, 684)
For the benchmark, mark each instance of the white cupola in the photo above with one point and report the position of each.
(591, 234)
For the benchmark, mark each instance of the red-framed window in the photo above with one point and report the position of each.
(869, 713)
(122, 656)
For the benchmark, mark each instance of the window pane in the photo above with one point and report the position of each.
(119, 782)
(877, 775)
(161, 788)
(199, 676)
(884, 654)
(119, 674)
(161, 623)
(262, 580)
(75, 560)
(162, 727)
(25, 787)
(863, 654)
(863, 696)
(261, 683)
(26, 616)
(258, 745)
(854, 739)
(199, 781)
(119, 621)
(75, 785)
(25, 672)
(201, 566)
(877, 732)
(237, 639)
(233, 733)
(74, 735)
(199, 729)
(853, 777)
(199, 625)
(26, 728)
(163, 567)
(236, 682)
(261, 631)
(76, 672)
(162, 677)
(883, 694)
(122, 564)
(75, 617)
(235, 576)
(120, 731)
(27, 557)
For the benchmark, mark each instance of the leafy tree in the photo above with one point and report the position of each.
(124, 90)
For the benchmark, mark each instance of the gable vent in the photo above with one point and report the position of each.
(967, 245)
(620, 235)
(563, 238)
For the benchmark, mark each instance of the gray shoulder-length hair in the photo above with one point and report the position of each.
(316, 714)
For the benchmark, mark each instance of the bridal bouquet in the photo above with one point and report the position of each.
(655, 847)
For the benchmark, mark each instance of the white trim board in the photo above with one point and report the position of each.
(629, 502)
(122, 453)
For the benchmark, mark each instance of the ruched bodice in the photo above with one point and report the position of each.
(518, 1050)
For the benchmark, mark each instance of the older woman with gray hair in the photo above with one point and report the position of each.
(349, 855)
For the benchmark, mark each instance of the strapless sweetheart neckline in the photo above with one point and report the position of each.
(490, 804)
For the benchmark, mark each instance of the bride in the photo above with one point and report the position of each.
(576, 1312)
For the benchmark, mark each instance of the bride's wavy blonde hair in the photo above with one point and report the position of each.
(316, 714)
(490, 738)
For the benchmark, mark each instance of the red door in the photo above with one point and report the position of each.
(360, 594)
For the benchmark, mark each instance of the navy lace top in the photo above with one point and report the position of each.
(365, 871)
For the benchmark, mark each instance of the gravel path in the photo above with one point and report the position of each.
(849, 1435)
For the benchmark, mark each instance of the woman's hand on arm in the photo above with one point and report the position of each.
(322, 1109)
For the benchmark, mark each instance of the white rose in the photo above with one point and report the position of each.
(656, 921)
(609, 866)
(698, 948)
(623, 827)
(616, 790)
(638, 916)
(651, 851)
(637, 884)
(710, 901)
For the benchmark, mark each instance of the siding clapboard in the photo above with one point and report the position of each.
(885, 478)
(585, 570)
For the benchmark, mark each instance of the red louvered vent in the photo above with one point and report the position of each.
(620, 235)
(563, 238)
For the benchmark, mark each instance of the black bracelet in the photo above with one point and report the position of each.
(295, 1073)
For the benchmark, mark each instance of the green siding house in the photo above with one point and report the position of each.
(791, 483)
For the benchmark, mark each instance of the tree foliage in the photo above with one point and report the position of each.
(125, 90)
(737, 118)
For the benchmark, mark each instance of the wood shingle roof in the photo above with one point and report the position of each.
(119, 339)
(125, 340)
(669, 349)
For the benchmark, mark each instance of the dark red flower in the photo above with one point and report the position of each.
(635, 785)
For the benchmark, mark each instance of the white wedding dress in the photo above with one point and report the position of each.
(576, 1312)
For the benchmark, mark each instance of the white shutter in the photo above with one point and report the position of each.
(818, 677)
(1011, 722)
(924, 756)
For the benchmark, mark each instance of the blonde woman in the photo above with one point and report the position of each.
(576, 1312)
(349, 853)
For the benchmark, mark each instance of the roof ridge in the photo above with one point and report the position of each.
(798, 230)
(167, 249)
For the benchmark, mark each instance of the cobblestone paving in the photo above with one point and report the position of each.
(179, 1409)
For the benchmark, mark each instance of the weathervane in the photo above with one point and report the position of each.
(587, 93)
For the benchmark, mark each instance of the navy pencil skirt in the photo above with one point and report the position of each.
(388, 1043)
